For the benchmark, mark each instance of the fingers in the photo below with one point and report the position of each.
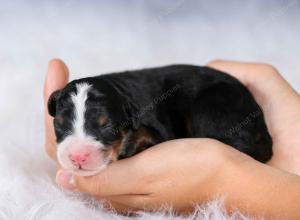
(119, 178)
(150, 178)
(259, 78)
(136, 175)
(246, 72)
(103, 192)
(278, 99)
(56, 78)
(122, 204)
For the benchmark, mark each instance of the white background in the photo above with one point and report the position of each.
(95, 37)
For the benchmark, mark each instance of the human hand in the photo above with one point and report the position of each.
(280, 104)
(133, 184)
(57, 77)
(178, 173)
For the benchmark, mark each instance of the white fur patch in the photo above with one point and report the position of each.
(79, 100)
(78, 134)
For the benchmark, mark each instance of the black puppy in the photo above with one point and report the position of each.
(108, 117)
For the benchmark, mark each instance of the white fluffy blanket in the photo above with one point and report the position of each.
(95, 37)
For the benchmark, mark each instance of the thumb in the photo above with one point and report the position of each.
(57, 77)
(120, 178)
(90, 184)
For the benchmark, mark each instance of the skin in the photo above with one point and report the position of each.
(170, 173)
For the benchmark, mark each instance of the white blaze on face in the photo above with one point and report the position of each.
(79, 100)
(78, 139)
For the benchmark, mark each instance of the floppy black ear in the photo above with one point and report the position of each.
(52, 103)
(132, 113)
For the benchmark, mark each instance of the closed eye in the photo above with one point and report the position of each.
(103, 120)
(60, 119)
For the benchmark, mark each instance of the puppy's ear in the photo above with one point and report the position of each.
(52, 103)
(131, 111)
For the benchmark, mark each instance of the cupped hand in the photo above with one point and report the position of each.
(187, 171)
(280, 104)
(170, 173)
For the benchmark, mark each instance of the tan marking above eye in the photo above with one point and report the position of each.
(102, 120)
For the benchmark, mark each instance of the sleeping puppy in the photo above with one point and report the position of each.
(105, 118)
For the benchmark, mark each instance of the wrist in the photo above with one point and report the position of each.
(238, 182)
(232, 171)
(226, 166)
(257, 189)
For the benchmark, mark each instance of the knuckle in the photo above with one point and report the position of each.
(96, 188)
(88, 185)
(269, 69)
(214, 150)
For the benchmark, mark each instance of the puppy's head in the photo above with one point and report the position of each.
(88, 119)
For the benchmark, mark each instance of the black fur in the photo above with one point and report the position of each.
(165, 103)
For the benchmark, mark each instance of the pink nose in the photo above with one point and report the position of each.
(82, 155)
(79, 157)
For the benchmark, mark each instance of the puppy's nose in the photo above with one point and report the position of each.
(84, 156)
(79, 157)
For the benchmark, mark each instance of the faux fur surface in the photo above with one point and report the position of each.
(104, 36)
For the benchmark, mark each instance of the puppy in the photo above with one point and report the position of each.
(104, 118)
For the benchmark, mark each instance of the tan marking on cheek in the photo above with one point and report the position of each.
(115, 148)
(143, 139)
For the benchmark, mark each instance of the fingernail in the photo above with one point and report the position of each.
(65, 179)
